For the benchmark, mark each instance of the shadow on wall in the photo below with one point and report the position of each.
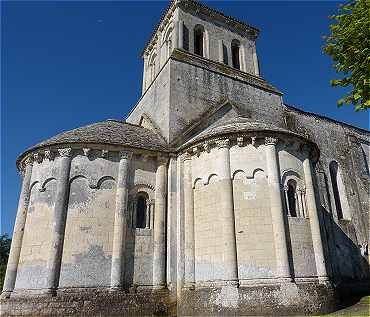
(348, 266)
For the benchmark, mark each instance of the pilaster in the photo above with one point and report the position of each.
(20, 221)
(277, 209)
(59, 222)
(159, 252)
(227, 206)
(189, 223)
(314, 221)
(120, 221)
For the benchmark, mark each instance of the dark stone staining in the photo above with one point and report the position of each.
(44, 195)
(79, 192)
(89, 269)
(107, 183)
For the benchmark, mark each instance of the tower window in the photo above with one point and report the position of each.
(333, 169)
(185, 39)
(141, 210)
(235, 53)
(198, 40)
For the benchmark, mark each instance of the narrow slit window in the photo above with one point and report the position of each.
(333, 169)
(292, 200)
(198, 40)
(235, 53)
(141, 208)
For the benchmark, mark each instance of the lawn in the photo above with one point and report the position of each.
(360, 309)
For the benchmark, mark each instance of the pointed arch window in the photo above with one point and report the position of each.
(199, 40)
(235, 53)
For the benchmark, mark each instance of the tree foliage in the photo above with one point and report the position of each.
(4, 254)
(349, 47)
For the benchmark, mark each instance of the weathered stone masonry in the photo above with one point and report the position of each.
(212, 198)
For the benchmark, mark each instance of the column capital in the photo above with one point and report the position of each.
(187, 156)
(271, 140)
(65, 152)
(206, 147)
(223, 143)
(162, 160)
(125, 155)
(240, 141)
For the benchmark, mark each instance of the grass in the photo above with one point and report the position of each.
(362, 308)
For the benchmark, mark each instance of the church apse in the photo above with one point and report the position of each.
(212, 198)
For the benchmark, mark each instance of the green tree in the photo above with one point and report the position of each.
(4, 254)
(349, 47)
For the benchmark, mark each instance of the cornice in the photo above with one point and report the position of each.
(253, 138)
(91, 151)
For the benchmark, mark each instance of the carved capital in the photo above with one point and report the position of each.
(240, 141)
(125, 155)
(162, 160)
(87, 152)
(104, 153)
(223, 143)
(271, 141)
(206, 147)
(196, 150)
(254, 140)
(37, 157)
(187, 156)
(66, 152)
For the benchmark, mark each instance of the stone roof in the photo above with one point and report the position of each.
(199, 7)
(112, 132)
(236, 125)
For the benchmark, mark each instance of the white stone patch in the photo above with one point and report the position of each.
(249, 195)
(249, 181)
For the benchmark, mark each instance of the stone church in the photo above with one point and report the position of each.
(212, 198)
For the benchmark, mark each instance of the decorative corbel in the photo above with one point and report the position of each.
(104, 153)
(37, 157)
(206, 147)
(49, 155)
(196, 150)
(240, 141)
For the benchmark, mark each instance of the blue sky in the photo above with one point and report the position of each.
(66, 64)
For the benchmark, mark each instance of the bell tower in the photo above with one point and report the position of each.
(196, 60)
(190, 26)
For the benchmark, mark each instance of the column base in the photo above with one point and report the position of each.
(5, 294)
(189, 285)
(275, 298)
(52, 292)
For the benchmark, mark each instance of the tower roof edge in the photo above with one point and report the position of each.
(198, 6)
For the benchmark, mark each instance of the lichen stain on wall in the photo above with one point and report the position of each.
(87, 250)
